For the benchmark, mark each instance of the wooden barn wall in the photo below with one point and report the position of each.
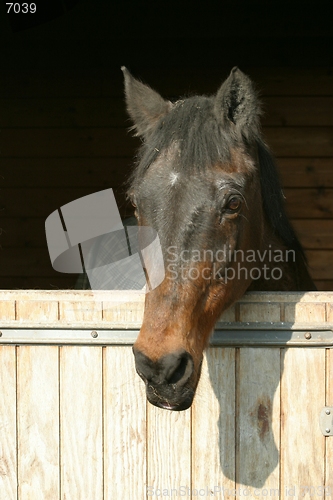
(64, 135)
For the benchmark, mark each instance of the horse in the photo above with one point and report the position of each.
(207, 183)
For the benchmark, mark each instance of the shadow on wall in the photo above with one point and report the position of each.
(246, 383)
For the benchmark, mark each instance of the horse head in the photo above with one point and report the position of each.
(206, 183)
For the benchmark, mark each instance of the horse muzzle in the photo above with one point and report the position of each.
(170, 381)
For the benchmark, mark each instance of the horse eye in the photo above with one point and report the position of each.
(234, 204)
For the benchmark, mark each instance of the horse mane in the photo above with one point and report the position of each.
(274, 201)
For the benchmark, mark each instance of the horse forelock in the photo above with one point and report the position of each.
(191, 134)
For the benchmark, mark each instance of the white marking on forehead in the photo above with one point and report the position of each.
(173, 178)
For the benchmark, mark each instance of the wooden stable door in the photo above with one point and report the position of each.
(75, 424)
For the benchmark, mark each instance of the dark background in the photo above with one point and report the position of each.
(146, 34)
(63, 121)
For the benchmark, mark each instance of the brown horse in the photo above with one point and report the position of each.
(207, 184)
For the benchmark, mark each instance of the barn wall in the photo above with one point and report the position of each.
(76, 424)
(64, 135)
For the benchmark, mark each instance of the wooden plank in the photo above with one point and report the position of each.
(127, 306)
(117, 296)
(328, 441)
(259, 312)
(38, 423)
(74, 311)
(305, 81)
(302, 443)
(125, 466)
(309, 203)
(258, 419)
(306, 172)
(168, 435)
(23, 232)
(330, 312)
(305, 312)
(64, 112)
(100, 173)
(81, 412)
(324, 284)
(314, 234)
(298, 111)
(39, 311)
(41, 202)
(118, 310)
(67, 142)
(320, 264)
(300, 141)
(7, 308)
(213, 424)
(33, 262)
(229, 314)
(39, 83)
(8, 462)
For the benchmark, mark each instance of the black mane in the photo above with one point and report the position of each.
(273, 200)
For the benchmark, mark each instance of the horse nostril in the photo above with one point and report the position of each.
(181, 371)
(171, 369)
(178, 367)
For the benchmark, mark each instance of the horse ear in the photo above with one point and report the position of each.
(144, 105)
(236, 102)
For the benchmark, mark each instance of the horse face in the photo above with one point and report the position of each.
(201, 222)
(197, 185)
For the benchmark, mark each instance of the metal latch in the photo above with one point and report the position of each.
(326, 421)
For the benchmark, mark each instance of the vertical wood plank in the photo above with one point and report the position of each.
(7, 308)
(329, 308)
(124, 426)
(258, 417)
(329, 440)
(169, 452)
(81, 410)
(213, 425)
(302, 443)
(8, 465)
(38, 422)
